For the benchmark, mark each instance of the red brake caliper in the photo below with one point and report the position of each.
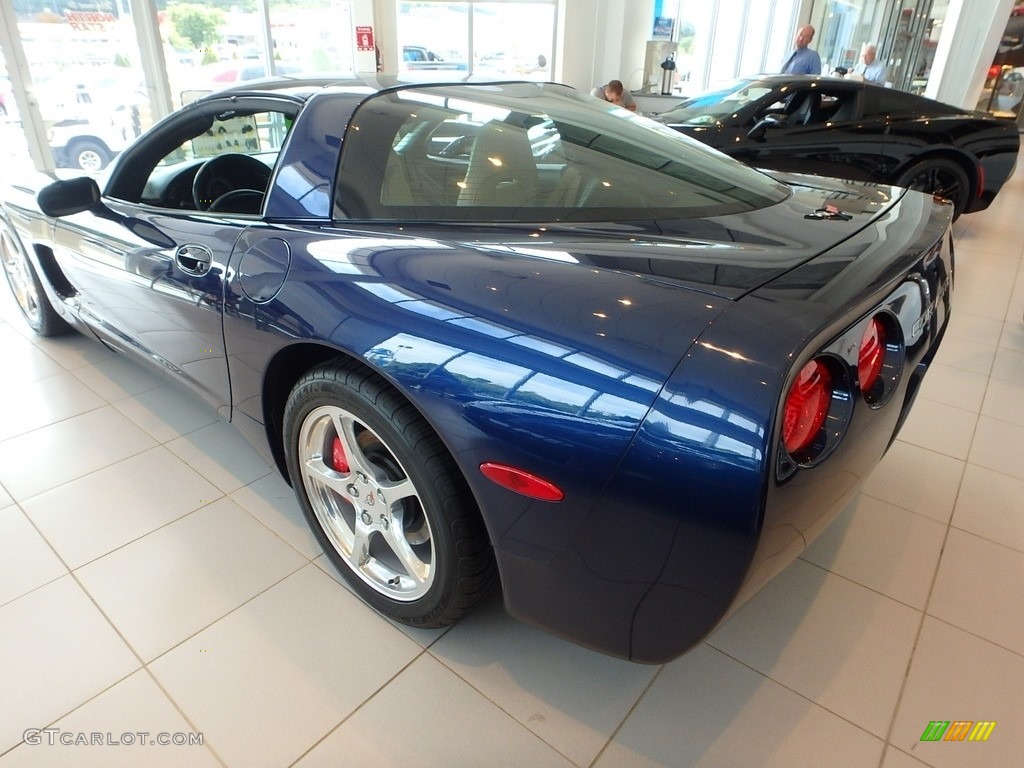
(338, 457)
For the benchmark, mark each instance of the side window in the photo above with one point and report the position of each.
(223, 164)
(460, 161)
(815, 106)
(430, 157)
(884, 101)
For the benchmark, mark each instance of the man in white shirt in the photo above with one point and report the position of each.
(870, 68)
(616, 93)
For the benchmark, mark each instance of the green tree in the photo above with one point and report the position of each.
(196, 24)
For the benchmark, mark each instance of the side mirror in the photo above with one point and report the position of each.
(761, 128)
(63, 198)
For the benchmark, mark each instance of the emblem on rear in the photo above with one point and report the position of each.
(829, 212)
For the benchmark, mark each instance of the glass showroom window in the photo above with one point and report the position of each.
(216, 48)
(14, 156)
(906, 33)
(721, 40)
(86, 74)
(489, 39)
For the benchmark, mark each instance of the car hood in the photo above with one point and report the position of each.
(727, 256)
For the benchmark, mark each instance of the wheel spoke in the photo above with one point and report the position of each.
(359, 554)
(345, 426)
(327, 477)
(414, 566)
(394, 492)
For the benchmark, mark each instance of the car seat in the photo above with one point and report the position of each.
(502, 170)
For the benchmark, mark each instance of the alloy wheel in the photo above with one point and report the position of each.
(17, 268)
(366, 503)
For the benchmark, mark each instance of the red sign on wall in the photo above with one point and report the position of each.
(364, 38)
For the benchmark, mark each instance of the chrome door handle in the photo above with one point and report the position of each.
(193, 259)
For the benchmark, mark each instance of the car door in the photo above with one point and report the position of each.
(148, 274)
(818, 130)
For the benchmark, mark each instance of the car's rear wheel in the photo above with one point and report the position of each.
(90, 156)
(384, 498)
(939, 176)
(28, 291)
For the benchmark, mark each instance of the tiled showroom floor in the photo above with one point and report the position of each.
(156, 576)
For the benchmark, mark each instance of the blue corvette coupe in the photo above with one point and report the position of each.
(508, 333)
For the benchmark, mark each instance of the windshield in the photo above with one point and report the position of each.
(531, 152)
(715, 105)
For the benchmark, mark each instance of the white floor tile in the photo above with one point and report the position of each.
(272, 501)
(571, 697)
(882, 547)
(1004, 401)
(89, 517)
(26, 560)
(136, 725)
(706, 710)
(1013, 333)
(23, 360)
(917, 479)
(997, 445)
(955, 386)
(270, 680)
(837, 643)
(977, 330)
(221, 454)
(58, 652)
(425, 637)
(167, 412)
(165, 587)
(28, 405)
(5, 498)
(957, 676)
(984, 291)
(50, 456)
(968, 354)
(978, 589)
(939, 427)
(453, 725)
(1008, 365)
(73, 350)
(118, 378)
(989, 505)
(894, 758)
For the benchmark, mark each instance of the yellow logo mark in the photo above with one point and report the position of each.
(982, 730)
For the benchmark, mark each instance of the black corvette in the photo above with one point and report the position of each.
(854, 130)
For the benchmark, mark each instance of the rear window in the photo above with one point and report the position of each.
(886, 101)
(529, 152)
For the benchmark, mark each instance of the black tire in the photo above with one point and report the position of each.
(393, 511)
(87, 155)
(25, 285)
(939, 176)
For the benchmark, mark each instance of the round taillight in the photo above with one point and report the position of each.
(871, 355)
(806, 406)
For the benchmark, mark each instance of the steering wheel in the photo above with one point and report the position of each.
(226, 173)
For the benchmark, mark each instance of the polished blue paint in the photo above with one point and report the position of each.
(640, 365)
